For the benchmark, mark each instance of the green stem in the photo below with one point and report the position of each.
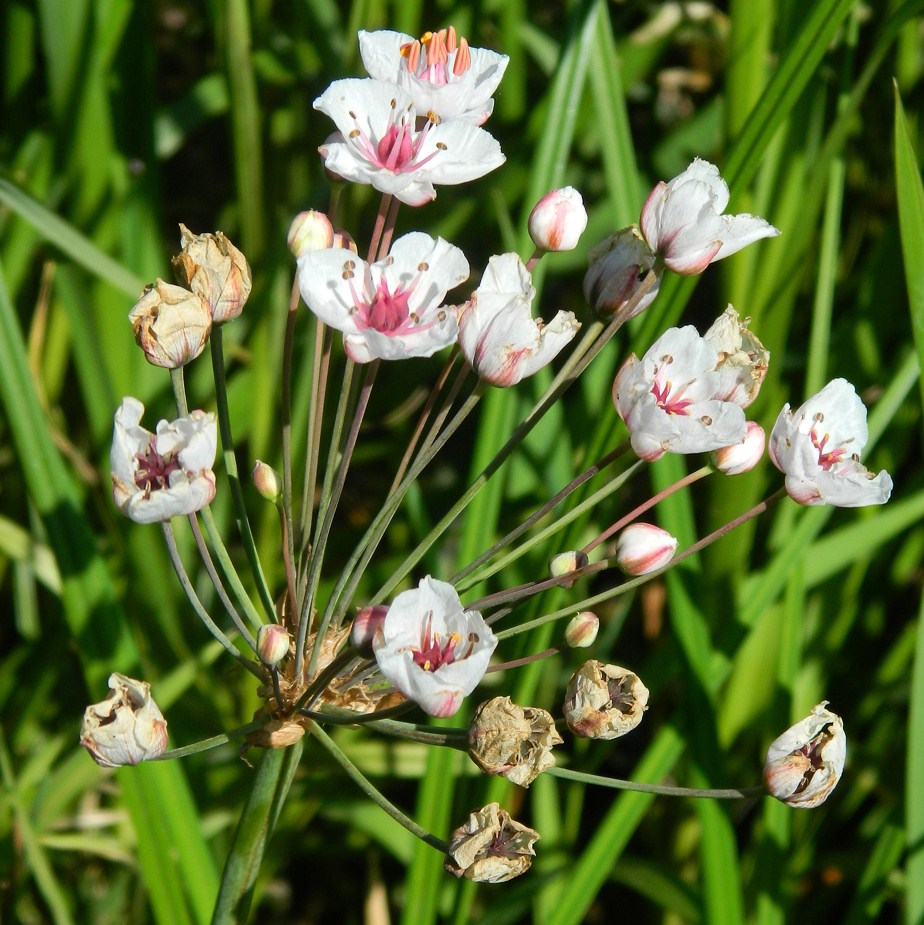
(662, 789)
(274, 777)
(207, 744)
(374, 794)
(230, 460)
(289, 530)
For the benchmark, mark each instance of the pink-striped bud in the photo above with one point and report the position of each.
(365, 625)
(644, 548)
(272, 643)
(744, 456)
(310, 231)
(558, 220)
(582, 630)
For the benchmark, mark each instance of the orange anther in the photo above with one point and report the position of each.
(411, 51)
(451, 39)
(463, 59)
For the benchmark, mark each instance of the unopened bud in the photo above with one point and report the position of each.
(366, 624)
(566, 562)
(744, 456)
(616, 268)
(310, 231)
(558, 220)
(491, 847)
(805, 762)
(127, 727)
(604, 701)
(644, 548)
(216, 270)
(512, 741)
(171, 324)
(345, 240)
(272, 643)
(582, 630)
(267, 482)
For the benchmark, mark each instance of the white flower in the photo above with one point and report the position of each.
(391, 309)
(682, 221)
(165, 474)
(497, 333)
(687, 394)
(378, 142)
(807, 760)
(818, 449)
(443, 75)
(432, 650)
(125, 728)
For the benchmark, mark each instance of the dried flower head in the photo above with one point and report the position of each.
(604, 701)
(125, 728)
(491, 847)
(213, 268)
(171, 324)
(512, 741)
(805, 762)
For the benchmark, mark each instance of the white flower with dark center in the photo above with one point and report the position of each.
(432, 650)
(687, 394)
(498, 335)
(818, 449)
(379, 143)
(156, 476)
(440, 71)
(683, 224)
(392, 309)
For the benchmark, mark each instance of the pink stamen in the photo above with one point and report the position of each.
(827, 460)
(430, 655)
(671, 405)
(154, 470)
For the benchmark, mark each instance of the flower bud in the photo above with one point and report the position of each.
(366, 624)
(566, 562)
(345, 240)
(216, 270)
(582, 630)
(558, 220)
(310, 231)
(171, 324)
(512, 741)
(267, 482)
(644, 548)
(617, 266)
(125, 728)
(272, 644)
(744, 456)
(491, 847)
(805, 762)
(604, 701)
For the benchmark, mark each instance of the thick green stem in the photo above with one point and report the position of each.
(274, 777)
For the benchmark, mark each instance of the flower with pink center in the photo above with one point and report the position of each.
(686, 395)
(683, 224)
(156, 476)
(818, 449)
(432, 650)
(440, 71)
(392, 309)
(378, 142)
(498, 335)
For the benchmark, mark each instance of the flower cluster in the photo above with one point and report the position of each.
(415, 123)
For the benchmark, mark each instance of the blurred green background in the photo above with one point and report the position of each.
(122, 119)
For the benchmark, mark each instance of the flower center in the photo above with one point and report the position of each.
(154, 470)
(432, 654)
(827, 459)
(388, 310)
(670, 404)
(427, 58)
(398, 149)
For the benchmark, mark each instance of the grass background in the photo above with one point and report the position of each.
(122, 119)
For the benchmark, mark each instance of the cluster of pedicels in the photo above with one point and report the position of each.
(416, 123)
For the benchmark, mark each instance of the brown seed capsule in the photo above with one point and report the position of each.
(491, 847)
(512, 741)
(604, 701)
(171, 324)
